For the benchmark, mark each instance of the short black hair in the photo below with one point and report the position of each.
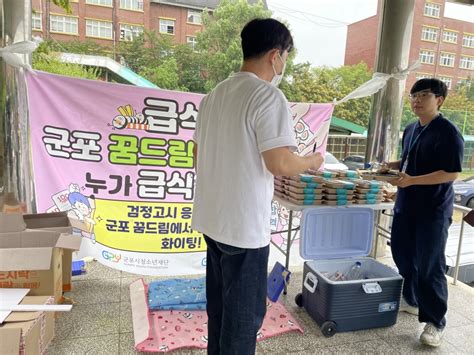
(261, 35)
(436, 86)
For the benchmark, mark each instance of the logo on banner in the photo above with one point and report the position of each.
(107, 255)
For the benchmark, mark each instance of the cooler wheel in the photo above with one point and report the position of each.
(328, 328)
(299, 300)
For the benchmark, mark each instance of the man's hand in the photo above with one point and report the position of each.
(316, 160)
(404, 180)
(383, 168)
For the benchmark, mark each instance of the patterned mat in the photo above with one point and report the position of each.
(171, 330)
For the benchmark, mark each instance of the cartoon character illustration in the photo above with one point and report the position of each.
(304, 136)
(81, 212)
(129, 118)
(282, 216)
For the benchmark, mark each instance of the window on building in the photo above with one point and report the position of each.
(99, 29)
(129, 32)
(36, 21)
(448, 81)
(100, 2)
(167, 26)
(131, 5)
(427, 57)
(450, 36)
(423, 76)
(63, 24)
(432, 10)
(194, 16)
(429, 34)
(192, 42)
(447, 59)
(468, 41)
(466, 62)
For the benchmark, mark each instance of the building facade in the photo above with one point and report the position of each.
(445, 46)
(109, 21)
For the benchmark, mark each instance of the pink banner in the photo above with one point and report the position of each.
(119, 159)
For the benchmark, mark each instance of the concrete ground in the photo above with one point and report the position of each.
(101, 323)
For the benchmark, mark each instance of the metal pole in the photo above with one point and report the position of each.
(16, 173)
(376, 234)
(47, 5)
(114, 28)
(288, 245)
(458, 255)
(393, 51)
(464, 123)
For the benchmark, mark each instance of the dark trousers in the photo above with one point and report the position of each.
(236, 291)
(418, 249)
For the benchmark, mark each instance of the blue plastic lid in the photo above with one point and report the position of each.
(336, 233)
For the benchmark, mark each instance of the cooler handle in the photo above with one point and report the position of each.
(372, 287)
(310, 277)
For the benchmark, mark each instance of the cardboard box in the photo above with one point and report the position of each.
(59, 222)
(11, 222)
(32, 258)
(28, 332)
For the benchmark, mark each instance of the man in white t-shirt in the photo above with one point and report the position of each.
(244, 136)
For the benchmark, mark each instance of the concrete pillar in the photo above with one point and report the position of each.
(393, 49)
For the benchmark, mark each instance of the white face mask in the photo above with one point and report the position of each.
(277, 77)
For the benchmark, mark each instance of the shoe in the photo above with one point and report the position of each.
(405, 307)
(431, 336)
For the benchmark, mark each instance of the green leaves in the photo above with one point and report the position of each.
(219, 43)
(305, 83)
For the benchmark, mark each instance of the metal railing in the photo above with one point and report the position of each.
(464, 211)
(385, 233)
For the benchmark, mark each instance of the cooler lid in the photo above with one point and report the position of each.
(336, 232)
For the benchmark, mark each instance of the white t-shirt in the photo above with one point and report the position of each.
(241, 118)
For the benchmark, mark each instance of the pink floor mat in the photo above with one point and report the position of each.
(164, 331)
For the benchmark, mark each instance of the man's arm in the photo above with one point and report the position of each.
(281, 161)
(435, 178)
(195, 156)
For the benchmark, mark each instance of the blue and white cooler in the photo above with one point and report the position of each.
(332, 241)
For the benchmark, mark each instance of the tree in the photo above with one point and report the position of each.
(164, 76)
(45, 59)
(191, 76)
(324, 84)
(153, 56)
(219, 42)
(458, 108)
(88, 46)
(65, 4)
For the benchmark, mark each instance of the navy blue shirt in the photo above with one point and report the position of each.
(439, 146)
